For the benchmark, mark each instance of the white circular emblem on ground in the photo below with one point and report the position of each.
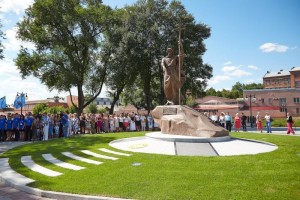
(157, 143)
(138, 146)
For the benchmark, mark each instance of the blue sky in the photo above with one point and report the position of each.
(248, 38)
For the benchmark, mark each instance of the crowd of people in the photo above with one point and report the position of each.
(239, 121)
(15, 127)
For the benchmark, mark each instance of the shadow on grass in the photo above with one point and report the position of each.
(58, 145)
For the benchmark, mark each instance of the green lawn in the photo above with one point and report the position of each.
(274, 175)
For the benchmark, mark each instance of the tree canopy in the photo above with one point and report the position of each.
(85, 44)
(235, 92)
(67, 35)
(148, 29)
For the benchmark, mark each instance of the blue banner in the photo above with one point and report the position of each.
(19, 102)
(3, 102)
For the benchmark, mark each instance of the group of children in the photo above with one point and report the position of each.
(104, 123)
(15, 127)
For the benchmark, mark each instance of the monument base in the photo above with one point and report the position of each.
(183, 120)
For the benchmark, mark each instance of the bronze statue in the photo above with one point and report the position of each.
(174, 76)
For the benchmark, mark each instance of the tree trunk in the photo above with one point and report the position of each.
(80, 100)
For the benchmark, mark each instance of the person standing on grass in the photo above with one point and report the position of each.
(121, 119)
(244, 119)
(93, 123)
(75, 124)
(290, 122)
(70, 123)
(137, 119)
(228, 122)
(258, 122)
(64, 123)
(28, 122)
(143, 122)
(237, 122)
(88, 124)
(9, 127)
(116, 121)
(2, 128)
(150, 121)
(46, 125)
(56, 126)
(99, 124)
(268, 122)
(51, 126)
(21, 127)
(16, 131)
(222, 119)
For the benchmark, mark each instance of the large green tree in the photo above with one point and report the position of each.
(67, 35)
(153, 25)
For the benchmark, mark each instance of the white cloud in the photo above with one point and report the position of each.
(239, 73)
(273, 47)
(227, 63)
(229, 69)
(16, 6)
(12, 43)
(8, 68)
(235, 71)
(253, 67)
(218, 79)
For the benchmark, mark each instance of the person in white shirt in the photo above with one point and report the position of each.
(268, 122)
(143, 122)
(46, 125)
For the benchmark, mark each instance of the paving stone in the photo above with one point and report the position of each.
(10, 175)
(194, 149)
(98, 155)
(82, 159)
(114, 152)
(28, 162)
(49, 157)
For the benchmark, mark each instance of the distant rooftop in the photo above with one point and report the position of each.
(295, 69)
(274, 74)
(281, 72)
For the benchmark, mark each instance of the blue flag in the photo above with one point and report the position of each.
(3, 102)
(19, 102)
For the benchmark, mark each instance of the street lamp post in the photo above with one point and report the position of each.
(23, 95)
(251, 96)
(284, 108)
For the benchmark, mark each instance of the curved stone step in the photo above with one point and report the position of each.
(28, 162)
(49, 157)
(10, 175)
(82, 159)
(98, 155)
(114, 152)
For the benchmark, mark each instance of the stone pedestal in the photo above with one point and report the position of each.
(183, 120)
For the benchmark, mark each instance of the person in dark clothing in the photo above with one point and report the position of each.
(244, 120)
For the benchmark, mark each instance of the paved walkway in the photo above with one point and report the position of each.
(10, 193)
(7, 192)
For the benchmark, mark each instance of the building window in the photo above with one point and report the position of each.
(269, 100)
(282, 109)
(283, 100)
(297, 110)
(297, 83)
(296, 100)
(267, 82)
(262, 100)
(97, 102)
